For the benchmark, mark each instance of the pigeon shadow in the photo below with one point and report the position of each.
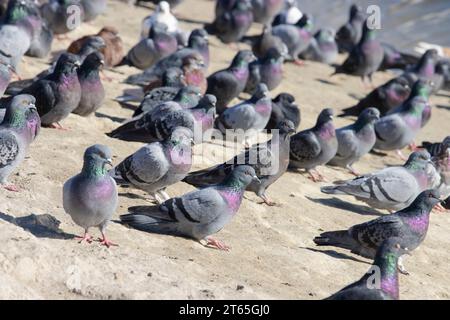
(112, 118)
(355, 96)
(326, 82)
(41, 226)
(347, 206)
(335, 254)
(132, 196)
(444, 95)
(189, 20)
(439, 106)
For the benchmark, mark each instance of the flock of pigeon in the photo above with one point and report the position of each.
(176, 98)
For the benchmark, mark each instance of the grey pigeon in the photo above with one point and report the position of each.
(232, 25)
(262, 43)
(365, 58)
(227, 84)
(204, 113)
(264, 11)
(409, 224)
(394, 59)
(157, 165)
(41, 45)
(5, 77)
(289, 15)
(269, 159)
(374, 285)
(399, 128)
(392, 188)
(424, 69)
(251, 115)
(90, 197)
(356, 140)
(322, 48)
(93, 8)
(440, 153)
(18, 129)
(92, 90)
(155, 125)
(267, 70)
(284, 108)
(349, 35)
(385, 98)
(159, 44)
(296, 37)
(61, 15)
(316, 146)
(197, 214)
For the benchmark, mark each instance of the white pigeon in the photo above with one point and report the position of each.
(161, 15)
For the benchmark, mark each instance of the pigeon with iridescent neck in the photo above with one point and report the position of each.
(387, 261)
(269, 159)
(90, 197)
(204, 113)
(349, 35)
(424, 69)
(198, 214)
(264, 11)
(268, 70)
(322, 48)
(400, 126)
(251, 115)
(296, 37)
(18, 130)
(356, 140)
(227, 84)
(92, 90)
(316, 146)
(409, 224)
(157, 165)
(365, 58)
(392, 188)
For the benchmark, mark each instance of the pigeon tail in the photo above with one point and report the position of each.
(335, 238)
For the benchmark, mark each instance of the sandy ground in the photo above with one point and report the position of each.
(272, 254)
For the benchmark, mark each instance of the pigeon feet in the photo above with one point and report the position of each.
(401, 155)
(105, 242)
(401, 267)
(86, 237)
(11, 188)
(214, 243)
(267, 201)
(57, 126)
(316, 176)
(353, 171)
(299, 62)
(439, 208)
(412, 146)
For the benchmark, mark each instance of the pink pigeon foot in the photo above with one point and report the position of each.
(12, 188)
(86, 237)
(211, 242)
(105, 242)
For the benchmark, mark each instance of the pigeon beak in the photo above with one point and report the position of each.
(102, 62)
(77, 64)
(256, 179)
(109, 161)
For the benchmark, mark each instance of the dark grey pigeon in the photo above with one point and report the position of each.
(90, 197)
(92, 90)
(349, 35)
(409, 224)
(227, 84)
(18, 130)
(316, 146)
(386, 287)
(356, 140)
(322, 48)
(392, 188)
(157, 165)
(284, 108)
(270, 161)
(198, 214)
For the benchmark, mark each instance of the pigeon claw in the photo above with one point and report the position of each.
(107, 243)
(12, 188)
(214, 243)
(85, 238)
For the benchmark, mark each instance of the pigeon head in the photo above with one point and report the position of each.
(96, 158)
(199, 33)
(391, 248)
(243, 5)
(93, 43)
(174, 77)
(208, 101)
(418, 160)
(242, 176)
(243, 58)
(324, 117)
(188, 96)
(67, 63)
(261, 92)
(306, 22)
(286, 127)
(427, 200)
(94, 61)
(325, 35)
(284, 99)
(356, 13)
(157, 28)
(369, 115)
(182, 136)
(164, 7)
(22, 115)
(273, 54)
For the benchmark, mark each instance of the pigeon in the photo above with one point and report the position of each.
(291, 14)
(227, 84)
(93, 8)
(365, 58)
(161, 15)
(268, 70)
(232, 25)
(92, 44)
(223, 6)
(356, 140)
(394, 59)
(41, 45)
(204, 112)
(440, 153)
(381, 281)
(438, 148)
(322, 48)
(5, 77)
(385, 98)
(250, 116)
(392, 188)
(442, 71)
(269, 159)
(179, 59)
(264, 11)
(316, 146)
(284, 108)
(264, 42)
(197, 214)
(19, 128)
(156, 125)
(62, 16)
(409, 224)
(157, 165)
(349, 35)
(59, 93)
(187, 97)
(113, 51)
(90, 197)
(399, 127)
(92, 90)
(172, 3)
(159, 44)
(296, 37)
